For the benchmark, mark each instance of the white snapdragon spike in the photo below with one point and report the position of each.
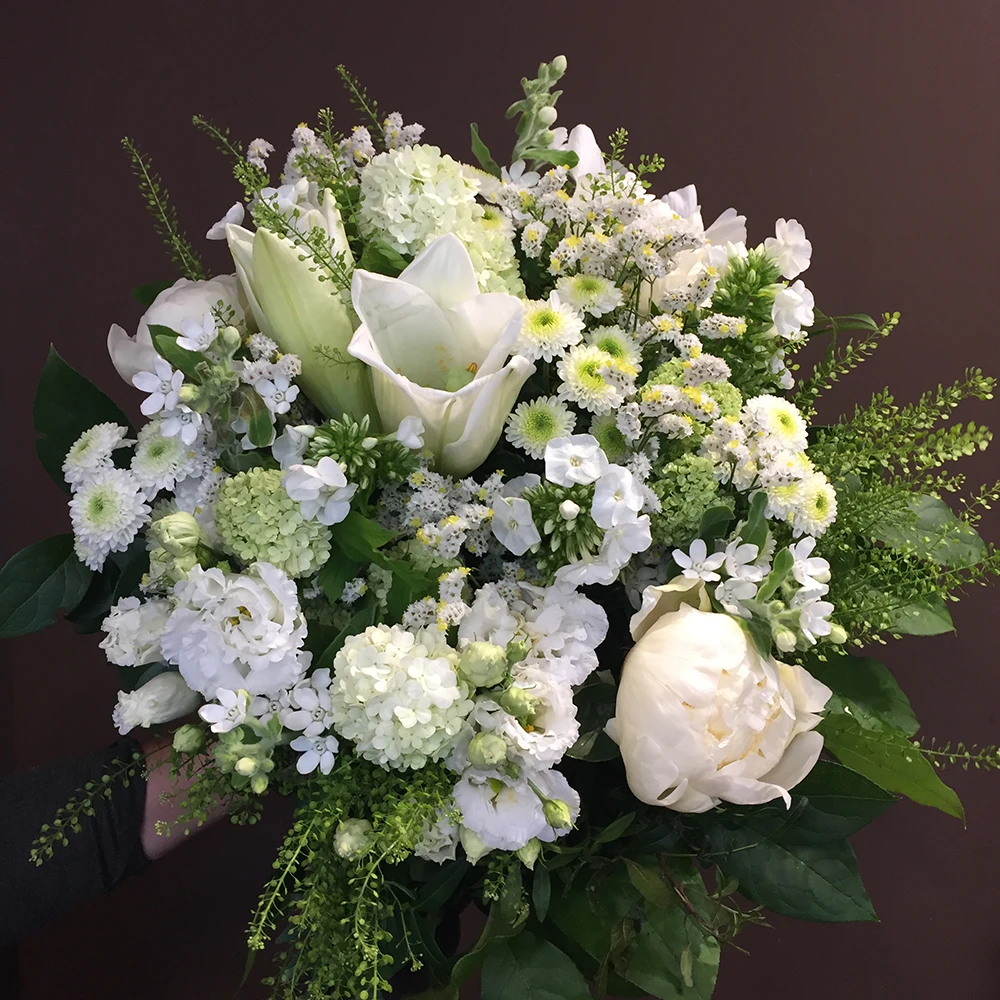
(228, 711)
(322, 490)
(237, 631)
(315, 751)
(792, 310)
(309, 708)
(576, 459)
(198, 334)
(513, 525)
(92, 452)
(438, 350)
(697, 564)
(617, 498)
(132, 631)
(184, 423)
(290, 447)
(233, 217)
(162, 699)
(702, 718)
(107, 512)
(811, 572)
(548, 328)
(163, 385)
(410, 433)
(277, 392)
(789, 248)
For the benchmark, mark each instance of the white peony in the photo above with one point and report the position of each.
(701, 717)
(164, 698)
(237, 630)
(133, 630)
(183, 300)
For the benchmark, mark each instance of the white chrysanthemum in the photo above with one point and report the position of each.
(160, 461)
(107, 513)
(777, 423)
(397, 696)
(91, 452)
(590, 293)
(548, 328)
(237, 631)
(615, 341)
(536, 422)
(582, 372)
(816, 508)
(133, 630)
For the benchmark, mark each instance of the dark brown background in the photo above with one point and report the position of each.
(872, 123)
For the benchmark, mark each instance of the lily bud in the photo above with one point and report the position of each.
(487, 750)
(483, 664)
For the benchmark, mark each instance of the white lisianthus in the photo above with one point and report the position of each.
(321, 490)
(236, 631)
(183, 300)
(789, 248)
(133, 629)
(440, 351)
(164, 698)
(701, 717)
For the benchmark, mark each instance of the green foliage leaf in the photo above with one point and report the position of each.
(503, 921)
(38, 582)
(482, 154)
(360, 538)
(260, 423)
(358, 622)
(649, 882)
(888, 758)
(754, 531)
(615, 829)
(381, 258)
(165, 342)
(66, 404)
(928, 617)
(541, 892)
(714, 522)
(88, 615)
(839, 801)
(527, 967)
(595, 704)
(782, 566)
(935, 534)
(145, 295)
(557, 157)
(335, 574)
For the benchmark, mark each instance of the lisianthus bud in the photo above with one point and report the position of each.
(559, 64)
(487, 750)
(179, 533)
(474, 847)
(529, 853)
(516, 651)
(557, 814)
(483, 664)
(164, 698)
(519, 703)
(352, 838)
(784, 639)
(189, 739)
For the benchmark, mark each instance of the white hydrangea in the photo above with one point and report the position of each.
(397, 696)
(237, 631)
(107, 513)
(91, 452)
(133, 630)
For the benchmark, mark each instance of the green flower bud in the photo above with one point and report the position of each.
(529, 853)
(838, 634)
(519, 703)
(559, 64)
(231, 339)
(483, 664)
(516, 651)
(557, 814)
(189, 739)
(784, 639)
(258, 784)
(188, 393)
(547, 115)
(246, 766)
(474, 847)
(353, 838)
(179, 533)
(487, 750)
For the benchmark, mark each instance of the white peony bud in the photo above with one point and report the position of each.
(164, 698)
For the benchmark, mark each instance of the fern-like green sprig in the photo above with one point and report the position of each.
(252, 178)
(361, 101)
(981, 758)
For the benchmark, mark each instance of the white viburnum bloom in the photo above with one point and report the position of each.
(228, 711)
(697, 564)
(159, 461)
(397, 696)
(702, 718)
(617, 498)
(278, 393)
(321, 490)
(789, 248)
(107, 512)
(163, 698)
(236, 631)
(132, 631)
(576, 459)
(440, 351)
(197, 334)
(513, 526)
(315, 751)
(536, 422)
(184, 423)
(233, 217)
(548, 328)
(290, 447)
(163, 385)
(91, 452)
(792, 310)
(811, 572)
(589, 293)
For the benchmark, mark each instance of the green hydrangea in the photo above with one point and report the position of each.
(686, 488)
(729, 398)
(669, 373)
(260, 522)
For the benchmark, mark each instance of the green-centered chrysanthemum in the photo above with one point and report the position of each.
(590, 293)
(536, 422)
(594, 379)
(260, 522)
(609, 437)
(615, 341)
(548, 328)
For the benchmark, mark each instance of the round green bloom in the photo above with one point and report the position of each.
(260, 522)
(686, 488)
(729, 398)
(611, 440)
(669, 373)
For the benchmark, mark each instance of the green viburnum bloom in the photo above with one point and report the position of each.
(260, 522)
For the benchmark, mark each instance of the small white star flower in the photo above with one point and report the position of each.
(228, 712)
(697, 564)
(197, 335)
(513, 525)
(730, 593)
(574, 459)
(740, 562)
(278, 393)
(316, 751)
(183, 422)
(162, 383)
(322, 490)
(814, 613)
(811, 572)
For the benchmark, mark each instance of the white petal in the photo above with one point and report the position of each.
(444, 271)
(130, 355)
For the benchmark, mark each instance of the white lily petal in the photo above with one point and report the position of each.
(591, 161)
(444, 271)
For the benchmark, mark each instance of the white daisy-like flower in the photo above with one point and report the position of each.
(228, 711)
(197, 335)
(548, 328)
(536, 422)
(615, 341)
(107, 513)
(590, 293)
(513, 525)
(278, 393)
(584, 382)
(160, 462)
(816, 506)
(697, 564)
(777, 423)
(163, 385)
(315, 751)
(91, 452)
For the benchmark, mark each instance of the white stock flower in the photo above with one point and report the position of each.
(91, 452)
(576, 459)
(792, 310)
(162, 383)
(789, 248)
(513, 525)
(315, 751)
(162, 699)
(439, 350)
(227, 712)
(133, 629)
(702, 718)
(107, 512)
(236, 630)
(322, 490)
(617, 498)
(697, 564)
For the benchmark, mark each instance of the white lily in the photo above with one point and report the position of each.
(303, 315)
(439, 350)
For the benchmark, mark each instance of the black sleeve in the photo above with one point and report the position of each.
(106, 850)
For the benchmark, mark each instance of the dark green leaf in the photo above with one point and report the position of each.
(588, 914)
(88, 615)
(39, 582)
(649, 882)
(557, 157)
(928, 617)
(499, 926)
(381, 258)
(541, 892)
(359, 621)
(335, 574)
(595, 704)
(66, 404)
(714, 522)
(259, 421)
(165, 342)
(530, 968)
(759, 630)
(754, 530)
(439, 890)
(481, 152)
(935, 533)
(616, 829)
(840, 801)
(360, 538)
(145, 295)
(132, 565)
